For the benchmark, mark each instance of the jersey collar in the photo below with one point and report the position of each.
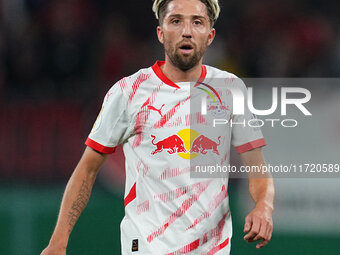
(157, 69)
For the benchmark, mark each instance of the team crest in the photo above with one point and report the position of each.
(217, 110)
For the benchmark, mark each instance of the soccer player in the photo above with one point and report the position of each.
(166, 211)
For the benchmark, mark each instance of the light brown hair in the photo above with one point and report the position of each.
(213, 9)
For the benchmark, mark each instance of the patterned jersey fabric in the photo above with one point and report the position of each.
(167, 211)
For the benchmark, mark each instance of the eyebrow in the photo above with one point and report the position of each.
(181, 16)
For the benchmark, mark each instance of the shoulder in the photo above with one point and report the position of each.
(128, 84)
(213, 72)
(140, 76)
(230, 80)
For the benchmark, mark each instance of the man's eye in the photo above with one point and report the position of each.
(197, 22)
(175, 21)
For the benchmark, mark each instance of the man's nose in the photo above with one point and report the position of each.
(187, 30)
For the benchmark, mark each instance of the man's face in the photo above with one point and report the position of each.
(185, 33)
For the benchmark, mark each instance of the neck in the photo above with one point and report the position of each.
(177, 75)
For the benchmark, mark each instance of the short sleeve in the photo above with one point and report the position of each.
(245, 133)
(113, 124)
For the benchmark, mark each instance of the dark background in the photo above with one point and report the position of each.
(59, 57)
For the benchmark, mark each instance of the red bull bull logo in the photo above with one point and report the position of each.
(222, 107)
(172, 144)
(187, 143)
(202, 144)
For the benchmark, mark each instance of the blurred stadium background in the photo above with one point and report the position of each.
(59, 57)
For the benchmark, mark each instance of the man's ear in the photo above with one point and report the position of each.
(160, 35)
(211, 36)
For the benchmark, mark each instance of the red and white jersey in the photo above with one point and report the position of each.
(167, 211)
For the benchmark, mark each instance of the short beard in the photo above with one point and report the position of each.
(184, 63)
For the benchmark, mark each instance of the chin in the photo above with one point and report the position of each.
(186, 67)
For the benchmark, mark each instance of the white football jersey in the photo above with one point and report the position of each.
(167, 211)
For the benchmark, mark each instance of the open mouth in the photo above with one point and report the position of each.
(186, 48)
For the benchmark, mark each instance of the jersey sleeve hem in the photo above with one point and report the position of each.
(251, 145)
(98, 147)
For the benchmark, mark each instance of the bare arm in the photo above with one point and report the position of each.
(259, 223)
(76, 196)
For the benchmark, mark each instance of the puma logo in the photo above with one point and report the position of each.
(150, 107)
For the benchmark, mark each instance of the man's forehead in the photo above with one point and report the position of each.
(186, 8)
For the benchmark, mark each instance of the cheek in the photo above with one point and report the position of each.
(167, 43)
(203, 40)
(203, 35)
(169, 37)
